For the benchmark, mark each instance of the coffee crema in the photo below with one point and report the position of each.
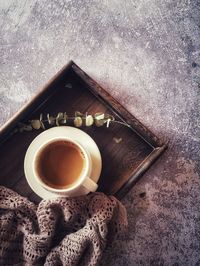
(60, 164)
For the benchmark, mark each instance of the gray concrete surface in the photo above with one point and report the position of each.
(146, 54)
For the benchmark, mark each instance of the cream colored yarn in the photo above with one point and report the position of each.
(65, 231)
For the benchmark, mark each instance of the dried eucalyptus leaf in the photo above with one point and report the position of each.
(99, 116)
(36, 124)
(59, 118)
(60, 115)
(89, 120)
(42, 125)
(48, 119)
(77, 113)
(99, 123)
(99, 119)
(51, 120)
(63, 120)
(117, 140)
(78, 121)
(65, 117)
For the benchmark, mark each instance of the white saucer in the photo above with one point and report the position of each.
(65, 131)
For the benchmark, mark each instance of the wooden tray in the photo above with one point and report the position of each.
(123, 163)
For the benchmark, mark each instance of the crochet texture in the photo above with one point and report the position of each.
(62, 231)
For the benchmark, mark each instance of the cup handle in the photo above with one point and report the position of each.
(90, 184)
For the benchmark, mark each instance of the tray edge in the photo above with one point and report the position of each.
(139, 171)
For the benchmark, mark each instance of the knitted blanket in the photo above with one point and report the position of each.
(62, 231)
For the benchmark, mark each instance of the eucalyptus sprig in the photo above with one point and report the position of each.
(78, 120)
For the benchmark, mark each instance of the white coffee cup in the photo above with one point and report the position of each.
(84, 180)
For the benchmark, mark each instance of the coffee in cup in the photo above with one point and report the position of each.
(60, 164)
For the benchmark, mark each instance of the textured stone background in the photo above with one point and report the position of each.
(146, 54)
